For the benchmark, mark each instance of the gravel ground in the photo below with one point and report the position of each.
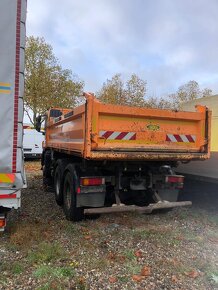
(174, 250)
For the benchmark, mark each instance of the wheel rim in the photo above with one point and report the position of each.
(68, 195)
(57, 185)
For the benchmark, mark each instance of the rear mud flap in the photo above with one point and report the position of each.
(133, 208)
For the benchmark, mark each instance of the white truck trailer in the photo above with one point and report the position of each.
(12, 43)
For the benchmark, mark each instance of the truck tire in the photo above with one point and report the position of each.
(58, 185)
(47, 178)
(58, 180)
(72, 212)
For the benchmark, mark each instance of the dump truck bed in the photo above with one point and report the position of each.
(99, 131)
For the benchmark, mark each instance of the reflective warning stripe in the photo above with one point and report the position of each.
(13, 195)
(7, 178)
(180, 138)
(5, 88)
(115, 135)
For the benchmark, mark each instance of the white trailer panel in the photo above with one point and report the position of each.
(12, 42)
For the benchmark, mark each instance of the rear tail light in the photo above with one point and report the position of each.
(92, 181)
(174, 179)
(2, 223)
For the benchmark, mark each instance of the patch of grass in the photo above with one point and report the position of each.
(133, 268)
(183, 268)
(214, 277)
(163, 236)
(129, 254)
(198, 214)
(123, 279)
(204, 217)
(15, 268)
(192, 237)
(46, 252)
(97, 263)
(56, 277)
(183, 214)
(211, 273)
(204, 266)
(53, 284)
(25, 234)
(72, 229)
(142, 233)
(53, 272)
(3, 281)
(175, 242)
(212, 235)
(213, 219)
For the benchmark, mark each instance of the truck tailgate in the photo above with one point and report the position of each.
(109, 132)
(132, 133)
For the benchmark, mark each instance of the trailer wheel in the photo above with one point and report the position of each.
(72, 212)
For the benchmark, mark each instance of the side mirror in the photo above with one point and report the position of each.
(38, 123)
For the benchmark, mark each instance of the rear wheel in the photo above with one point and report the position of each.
(57, 185)
(72, 212)
(58, 180)
(47, 178)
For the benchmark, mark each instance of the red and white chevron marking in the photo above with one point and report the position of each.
(181, 138)
(115, 135)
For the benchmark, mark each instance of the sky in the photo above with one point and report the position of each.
(165, 42)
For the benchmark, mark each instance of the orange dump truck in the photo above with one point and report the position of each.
(104, 158)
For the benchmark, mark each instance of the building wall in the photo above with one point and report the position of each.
(208, 169)
(212, 104)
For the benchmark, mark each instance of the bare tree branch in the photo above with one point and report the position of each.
(28, 115)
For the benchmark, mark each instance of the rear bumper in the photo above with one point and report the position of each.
(132, 208)
(32, 155)
(10, 199)
(147, 156)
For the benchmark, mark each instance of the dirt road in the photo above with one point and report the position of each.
(174, 250)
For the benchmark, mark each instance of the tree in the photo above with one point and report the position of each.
(188, 92)
(135, 91)
(112, 91)
(47, 84)
(115, 91)
(160, 103)
(206, 92)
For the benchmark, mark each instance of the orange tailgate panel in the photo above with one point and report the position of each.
(104, 132)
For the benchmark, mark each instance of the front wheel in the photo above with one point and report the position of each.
(72, 212)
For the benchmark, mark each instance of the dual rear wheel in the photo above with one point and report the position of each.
(66, 183)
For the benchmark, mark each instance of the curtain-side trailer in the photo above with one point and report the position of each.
(12, 43)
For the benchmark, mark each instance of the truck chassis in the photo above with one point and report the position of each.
(86, 187)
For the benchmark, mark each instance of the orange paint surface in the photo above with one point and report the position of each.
(102, 131)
